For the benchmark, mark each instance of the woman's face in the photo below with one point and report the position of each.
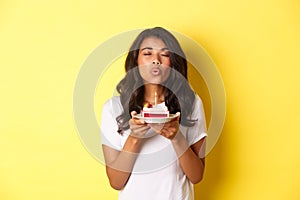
(154, 61)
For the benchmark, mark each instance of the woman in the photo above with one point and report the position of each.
(146, 160)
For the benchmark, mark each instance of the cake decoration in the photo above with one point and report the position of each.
(155, 111)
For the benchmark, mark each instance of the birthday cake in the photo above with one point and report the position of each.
(156, 111)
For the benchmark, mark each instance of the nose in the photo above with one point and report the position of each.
(156, 60)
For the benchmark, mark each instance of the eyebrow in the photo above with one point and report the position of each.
(150, 48)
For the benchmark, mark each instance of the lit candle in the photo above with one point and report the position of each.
(155, 96)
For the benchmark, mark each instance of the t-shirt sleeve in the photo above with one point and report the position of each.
(109, 127)
(198, 131)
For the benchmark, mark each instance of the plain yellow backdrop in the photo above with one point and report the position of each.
(255, 44)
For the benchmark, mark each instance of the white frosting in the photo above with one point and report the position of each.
(157, 108)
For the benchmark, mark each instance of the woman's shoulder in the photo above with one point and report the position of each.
(197, 101)
(113, 103)
(197, 109)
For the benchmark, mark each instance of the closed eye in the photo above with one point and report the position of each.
(146, 51)
(165, 52)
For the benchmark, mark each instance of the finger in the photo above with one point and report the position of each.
(168, 134)
(136, 126)
(170, 124)
(157, 127)
(164, 133)
(141, 129)
(133, 114)
(140, 132)
(178, 115)
(137, 121)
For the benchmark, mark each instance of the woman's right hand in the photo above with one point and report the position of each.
(138, 127)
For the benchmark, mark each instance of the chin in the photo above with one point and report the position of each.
(153, 82)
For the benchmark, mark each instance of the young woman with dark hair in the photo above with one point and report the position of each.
(154, 160)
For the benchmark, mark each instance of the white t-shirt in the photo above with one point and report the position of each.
(157, 174)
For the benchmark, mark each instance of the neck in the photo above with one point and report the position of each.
(149, 93)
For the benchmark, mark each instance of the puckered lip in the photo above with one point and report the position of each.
(155, 71)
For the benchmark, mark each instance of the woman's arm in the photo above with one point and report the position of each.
(191, 163)
(189, 156)
(119, 164)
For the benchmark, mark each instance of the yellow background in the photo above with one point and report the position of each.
(255, 44)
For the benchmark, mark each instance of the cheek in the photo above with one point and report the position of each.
(167, 62)
(139, 61)
(144, 71)
(166, 73)
(142, 61)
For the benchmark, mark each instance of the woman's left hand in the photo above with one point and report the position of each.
(168, 129)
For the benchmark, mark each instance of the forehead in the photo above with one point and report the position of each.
(153, 42)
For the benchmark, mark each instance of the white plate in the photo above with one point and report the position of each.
(153, 120)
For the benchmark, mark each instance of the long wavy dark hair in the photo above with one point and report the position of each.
(179, 97)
